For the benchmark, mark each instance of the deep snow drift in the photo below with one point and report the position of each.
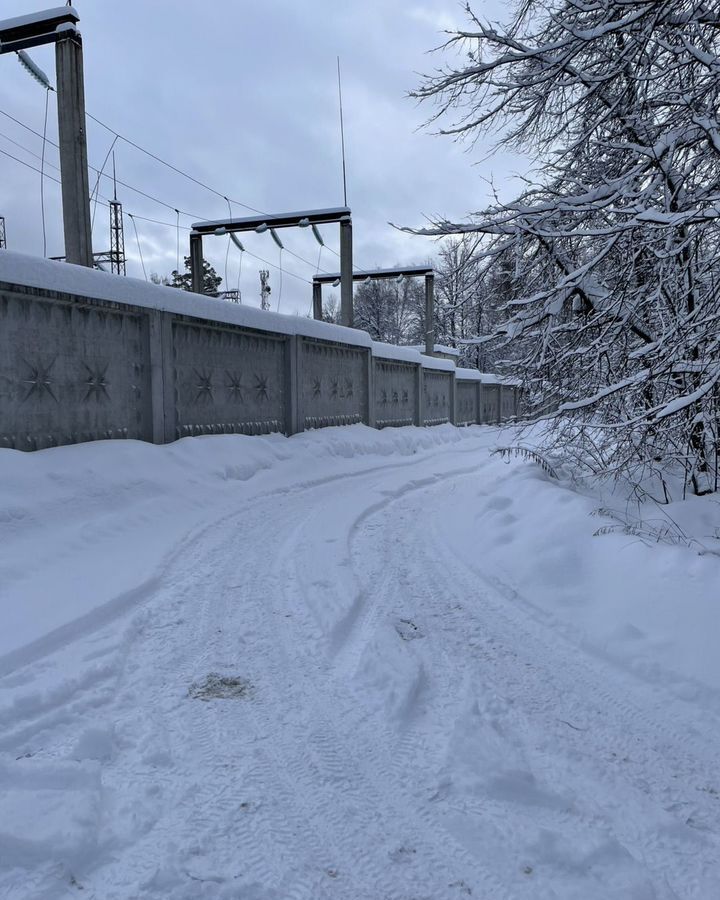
(349, 664)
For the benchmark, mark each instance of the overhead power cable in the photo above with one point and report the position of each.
(197, 181)
(100, 173)
(137, 238)
(134, 216)
(164, 162)
(28, 166)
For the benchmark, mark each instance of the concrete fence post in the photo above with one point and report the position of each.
(298, 377)
(292, 386)
(430, 314)
(157, 376)
(452, 412)
(420, 400)
(371, 415)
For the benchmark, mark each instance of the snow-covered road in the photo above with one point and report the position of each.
(337, 688)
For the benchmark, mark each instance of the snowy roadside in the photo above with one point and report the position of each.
(86, 530)
(357, 665)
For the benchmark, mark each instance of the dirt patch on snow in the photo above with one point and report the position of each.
(220, 687)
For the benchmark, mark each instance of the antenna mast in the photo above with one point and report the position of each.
(342, 132)
(264, 289)
(117, 234)
(3, 239)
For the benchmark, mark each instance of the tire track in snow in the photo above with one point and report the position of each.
(382, 783)
(653, 857)
(216, 810)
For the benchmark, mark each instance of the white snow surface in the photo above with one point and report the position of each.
(349, 664)
(44, 15)
(19, 268)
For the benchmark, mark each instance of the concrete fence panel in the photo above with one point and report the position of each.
(333, 383)
(396, 390)
(86, 356)
(225, 380)
(438, 395)
(467, 402)
(490, 402)
(71, 370)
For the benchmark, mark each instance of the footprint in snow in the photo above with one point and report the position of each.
(403, 854)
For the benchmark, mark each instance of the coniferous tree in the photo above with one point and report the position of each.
(211, 280)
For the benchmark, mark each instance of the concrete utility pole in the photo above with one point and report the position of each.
(73, 149)
(346, 274)
(429, 313)
(196, 262)
(59, 26)
(317, 301)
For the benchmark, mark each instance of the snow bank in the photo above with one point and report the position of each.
(85, 529)
(649, 605)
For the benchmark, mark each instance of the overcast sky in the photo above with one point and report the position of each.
(243, 95)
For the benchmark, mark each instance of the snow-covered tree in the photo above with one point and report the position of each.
(391, 311)
(610, 254)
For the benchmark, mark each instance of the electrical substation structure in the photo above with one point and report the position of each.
(426, 272)
(59, 26)
(308, 219)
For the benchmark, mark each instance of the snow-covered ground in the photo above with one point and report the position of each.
(349, 664)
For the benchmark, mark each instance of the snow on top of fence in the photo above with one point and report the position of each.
(31, 271)
(394, 352)
(49, 275)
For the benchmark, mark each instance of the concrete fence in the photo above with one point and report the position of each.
(86, 356)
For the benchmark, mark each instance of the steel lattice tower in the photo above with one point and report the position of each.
(3, 240)
(117, 238)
